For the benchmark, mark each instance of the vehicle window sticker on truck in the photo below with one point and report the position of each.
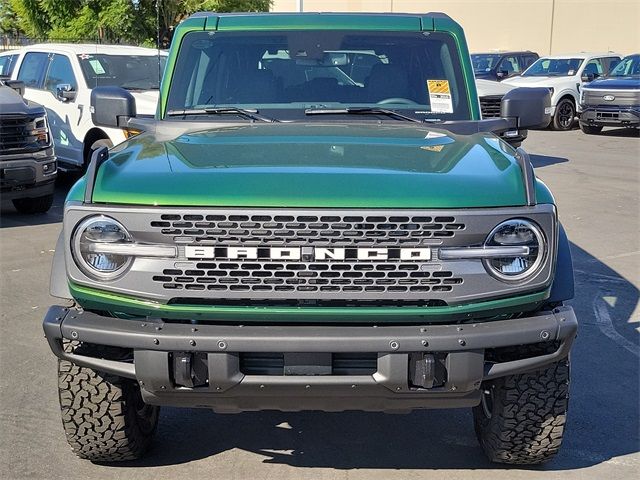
(440, 96)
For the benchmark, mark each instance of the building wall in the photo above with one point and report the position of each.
(544, 26)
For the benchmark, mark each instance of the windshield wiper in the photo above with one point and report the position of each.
(360, 111)
(252, 114)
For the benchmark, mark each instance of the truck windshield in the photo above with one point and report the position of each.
(132, 72)
(628, 67)
(553, 67)
(287, 72)
(484, 62)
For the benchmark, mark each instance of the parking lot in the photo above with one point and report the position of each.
(596, 183)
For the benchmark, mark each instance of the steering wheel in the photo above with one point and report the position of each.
(401, 100)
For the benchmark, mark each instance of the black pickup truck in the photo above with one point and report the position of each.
(27, 161)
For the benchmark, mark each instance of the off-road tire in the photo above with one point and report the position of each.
(590, 129)
(33, 205)
(104, 417)
(564, 115)
(522, 417)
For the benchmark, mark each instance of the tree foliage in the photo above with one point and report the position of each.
(112, 21)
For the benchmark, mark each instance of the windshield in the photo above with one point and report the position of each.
(553, 67)
(133, 72)
(287, 72)
(484, 62)
(629, 66)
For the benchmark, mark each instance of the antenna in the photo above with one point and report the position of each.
(158, 38)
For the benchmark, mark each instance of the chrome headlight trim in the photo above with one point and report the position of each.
(537, 264)
(82, 264)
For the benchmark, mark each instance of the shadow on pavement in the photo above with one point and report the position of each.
(620, 132)
(603, 419)
(539, 161)
(9, 217)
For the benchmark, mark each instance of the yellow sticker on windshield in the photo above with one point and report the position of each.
(440, 96)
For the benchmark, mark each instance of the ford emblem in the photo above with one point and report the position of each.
(609, 98)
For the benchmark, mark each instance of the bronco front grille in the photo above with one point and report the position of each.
(282, 277)
(306, 230)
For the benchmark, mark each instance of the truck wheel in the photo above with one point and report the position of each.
(33, 205)
(564, 116)
(521, 418)
(104, 416)
(590, 129)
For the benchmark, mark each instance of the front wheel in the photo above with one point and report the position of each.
(104, 416)
(521, 418)
(590, 129)
(564, 116)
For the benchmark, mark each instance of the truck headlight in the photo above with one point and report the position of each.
(521, 233)
(88, 243)
(40, 131)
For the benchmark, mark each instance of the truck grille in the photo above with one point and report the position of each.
(307, 230)
(622, 98)
(281, 277)
(254, 363)
(14, 136)
(490, 106)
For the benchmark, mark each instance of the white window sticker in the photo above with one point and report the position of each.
(440, 96)
(97, 67)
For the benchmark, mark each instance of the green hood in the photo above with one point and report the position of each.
(313, 165)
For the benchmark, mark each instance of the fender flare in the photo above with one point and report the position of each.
(562, 288)
(58, 282)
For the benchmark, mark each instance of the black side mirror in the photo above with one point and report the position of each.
(65, 92)
(17, 85)
(112, 107)
(588, 77)
(530, 107)
(502, 73)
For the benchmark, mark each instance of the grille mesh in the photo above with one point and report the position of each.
(343, 277)
(306, 230)
(14, 131)
(490, 106)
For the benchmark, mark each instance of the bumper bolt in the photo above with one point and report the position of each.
(74, 334)
(394, 345)
(544, 335)
(194, 330)
(462, 342)
(424, 343)
(156, 341)
(192, 343)
(222, 345)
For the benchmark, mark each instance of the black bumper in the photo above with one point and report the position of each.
(610, 116)
(28, 175)
(214, 353)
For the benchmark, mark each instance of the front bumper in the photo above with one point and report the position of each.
(159, 351)
(27, 175)
(610, 116)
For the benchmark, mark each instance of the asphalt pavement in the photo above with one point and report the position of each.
(596, 183)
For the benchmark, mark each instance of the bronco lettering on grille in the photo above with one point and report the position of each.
(306, 253)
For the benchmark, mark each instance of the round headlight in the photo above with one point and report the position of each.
(516, 233)
(89, 236)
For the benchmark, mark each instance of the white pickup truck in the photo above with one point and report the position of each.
(564, 75)
(61, 76)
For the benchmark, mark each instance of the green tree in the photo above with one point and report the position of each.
(125, 21)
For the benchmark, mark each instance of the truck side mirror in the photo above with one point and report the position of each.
(502, 74)
(112, 107)
(65, 92)
(530, 107)
(17, 85)
(588, 77)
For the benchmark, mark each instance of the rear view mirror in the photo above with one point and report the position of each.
(530, 107)
(112, 107)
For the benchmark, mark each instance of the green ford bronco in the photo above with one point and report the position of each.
(317, 218)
